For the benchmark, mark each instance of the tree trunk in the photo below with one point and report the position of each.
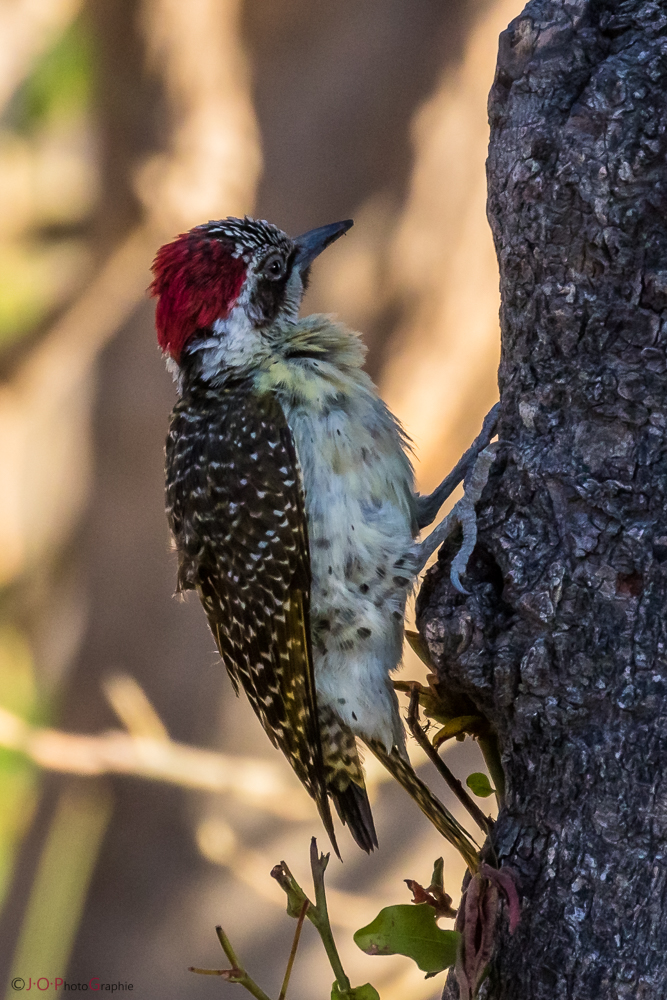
(562, 640)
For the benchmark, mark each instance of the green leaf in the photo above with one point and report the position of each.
(458, 726)
(412, 931)
(365, 992)
(479, 785)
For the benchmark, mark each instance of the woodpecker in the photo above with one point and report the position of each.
(290, 497)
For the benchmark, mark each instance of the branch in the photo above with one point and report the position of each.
(484, 822)
(146, 751)
(156, 759)
(292, 954)
(234, 975)
(317, 913)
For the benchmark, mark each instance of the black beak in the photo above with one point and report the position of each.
(311, 244)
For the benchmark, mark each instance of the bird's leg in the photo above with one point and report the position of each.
(461, 515)
(428, 506)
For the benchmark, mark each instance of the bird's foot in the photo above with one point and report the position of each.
(461, 515)
(467, 518)
(428, 506)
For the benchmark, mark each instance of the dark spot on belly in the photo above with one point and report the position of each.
(397, 615)
(347, 645)
(341, 701)
(363, 632)
(399, 563)
(323, 625)
(364, 588)
(381, 572)
(354, 716)
(330, 570)
(322, 543)
(401, 581)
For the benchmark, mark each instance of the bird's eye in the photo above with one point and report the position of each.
(274, 268)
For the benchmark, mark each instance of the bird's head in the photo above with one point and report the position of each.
(222, 286)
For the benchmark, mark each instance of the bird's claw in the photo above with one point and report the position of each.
(466, 516)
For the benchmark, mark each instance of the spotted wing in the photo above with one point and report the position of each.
(236, 509)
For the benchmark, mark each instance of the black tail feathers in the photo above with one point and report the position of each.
(354, 810)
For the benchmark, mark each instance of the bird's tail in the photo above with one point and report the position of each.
(354, 809)
(432, 808)
(345, 779)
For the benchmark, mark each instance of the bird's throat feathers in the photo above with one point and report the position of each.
(312, 361)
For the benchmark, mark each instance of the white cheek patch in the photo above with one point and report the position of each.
(235, 344)
(237, 336)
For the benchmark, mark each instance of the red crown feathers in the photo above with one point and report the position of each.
(197, 280)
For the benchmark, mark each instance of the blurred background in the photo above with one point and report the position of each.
(140, 802)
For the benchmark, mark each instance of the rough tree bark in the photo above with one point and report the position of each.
(562, 640)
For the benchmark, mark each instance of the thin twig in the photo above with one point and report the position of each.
(317, 913)
(295, 945)
(224, 973)
(484, 822)
(318, 864)
(236, 974)
(226, 946)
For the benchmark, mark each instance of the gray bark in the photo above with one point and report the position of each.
(562, 640)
